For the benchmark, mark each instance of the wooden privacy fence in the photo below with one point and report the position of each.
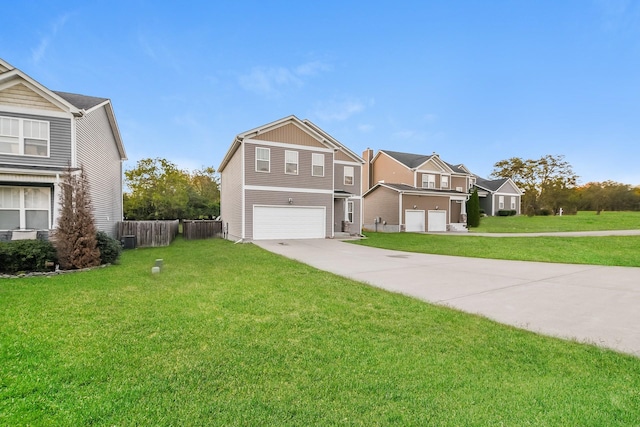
(149, 233)
(201, 229)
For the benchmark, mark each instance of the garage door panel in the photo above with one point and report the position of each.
(437, 221)
(414, 221)
(288, 222)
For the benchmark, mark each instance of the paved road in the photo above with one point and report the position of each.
(595, 304)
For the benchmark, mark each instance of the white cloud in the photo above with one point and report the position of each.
(341, 110)
(271, 81)
(38, 53)
(268, 81)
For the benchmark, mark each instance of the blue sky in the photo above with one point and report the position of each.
(475, 81)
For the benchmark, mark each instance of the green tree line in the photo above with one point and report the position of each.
(549, 184)
(158, 189)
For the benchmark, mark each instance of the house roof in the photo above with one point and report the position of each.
(405, 188)
(494, 185)
(82, 102)
(411, 161)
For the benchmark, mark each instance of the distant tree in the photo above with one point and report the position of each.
(75, 234)
(204, 194)
(546, 182)
(159, 190)
(608, 195)
(473, 209)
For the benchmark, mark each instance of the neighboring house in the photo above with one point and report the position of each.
(42, 134)
(414, 192)
(289, 180)
(498, 194)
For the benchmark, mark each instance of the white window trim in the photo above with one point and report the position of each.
(430, 180)
(314, 163)
(263, 160)
(500, 202)
(513, 203)
(22, 205)
(21, 137)
(448, 177)
(352, 175)
(349, 211)
(286, 154)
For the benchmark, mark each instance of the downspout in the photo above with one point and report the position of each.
(400, 213)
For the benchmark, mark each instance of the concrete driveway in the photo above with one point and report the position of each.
(594, 304)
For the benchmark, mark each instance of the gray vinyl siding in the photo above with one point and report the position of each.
(98, 154)
(280, 198)
(231, 196)
(59, 143)
(276, 176)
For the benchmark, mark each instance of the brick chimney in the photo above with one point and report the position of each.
(367, 169)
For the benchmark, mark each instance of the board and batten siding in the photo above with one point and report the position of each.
(281, 198)
(276, 176)
(21, 96)
(290, 134)
(59, 143)
(98, 154)
(231, 196)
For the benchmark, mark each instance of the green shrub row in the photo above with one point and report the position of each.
(26, 256)
(33, 255)
(506, 212)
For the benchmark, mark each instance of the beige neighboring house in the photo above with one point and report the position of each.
(414, 192)
(289, 180)
(42, 133)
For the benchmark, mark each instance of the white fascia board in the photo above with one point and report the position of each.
(392, 158)
(285, 145)
(344, 162)
(35, 111)
(237, 142)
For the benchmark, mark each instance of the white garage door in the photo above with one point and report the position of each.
(288, 222)
(437, 221)
(414, 221)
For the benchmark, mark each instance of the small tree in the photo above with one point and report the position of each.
(473, 209)
(75, 235)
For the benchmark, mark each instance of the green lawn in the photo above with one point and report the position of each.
(610, 250)
(583, 221)
(233, 335)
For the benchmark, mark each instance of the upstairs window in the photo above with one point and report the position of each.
(24, 137)
(291, 162)
(428, 181)
(348, 175)
(317, 164)
(444, 181)
(263, 159)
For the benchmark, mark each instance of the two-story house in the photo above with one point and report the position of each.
(43, 133)
(414, 192)
(289, 180)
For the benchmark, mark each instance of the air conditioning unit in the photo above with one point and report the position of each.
(459, 189)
